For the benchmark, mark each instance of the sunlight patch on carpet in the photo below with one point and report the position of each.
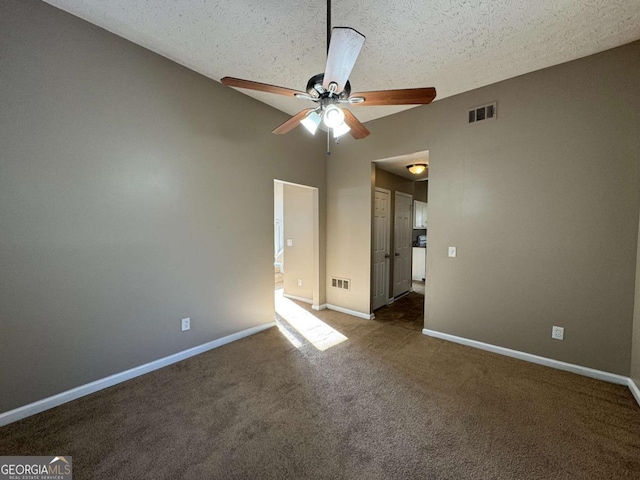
(288, 335)
(295, 322)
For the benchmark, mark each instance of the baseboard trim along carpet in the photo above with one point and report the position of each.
(64, 397)
(635, 391)
(547, 362)
(366, 316)
(299, 299)
(324, 306)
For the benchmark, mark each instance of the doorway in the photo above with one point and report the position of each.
(404, 241)
(296, 242)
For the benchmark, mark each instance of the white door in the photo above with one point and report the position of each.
(381, 238)
(402, 244)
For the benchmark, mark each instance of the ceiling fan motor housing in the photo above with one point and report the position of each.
(315, 88)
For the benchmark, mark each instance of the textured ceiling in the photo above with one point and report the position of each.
(453, 45)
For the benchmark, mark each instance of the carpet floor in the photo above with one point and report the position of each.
(329, 396)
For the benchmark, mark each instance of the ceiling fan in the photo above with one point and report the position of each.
(331, 90)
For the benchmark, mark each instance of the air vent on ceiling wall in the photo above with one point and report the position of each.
(483, 113)
(343, 283)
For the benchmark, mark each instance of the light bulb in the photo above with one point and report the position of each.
(333, 116)
(311, 122)
(340, 130)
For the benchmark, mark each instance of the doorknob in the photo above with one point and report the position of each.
(397, 254)
(387, 255)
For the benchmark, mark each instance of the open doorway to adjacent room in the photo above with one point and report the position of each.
(399, 227)
(296, 261)
(296, 241)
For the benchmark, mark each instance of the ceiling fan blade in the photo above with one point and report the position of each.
(408, 96)
(261, 87)
(344, 48)
(292, 123)
(358, 130)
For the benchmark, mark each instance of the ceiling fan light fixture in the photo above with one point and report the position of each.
(311, 122)
(332, 88)
(340, 130)
(417, 168)
(333, 116)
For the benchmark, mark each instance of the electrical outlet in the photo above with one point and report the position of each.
(289, 242)
(299, 282)
(557, 333)
(185, 324)
(453, 251)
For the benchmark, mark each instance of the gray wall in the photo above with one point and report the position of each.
(393, 182)
(349, 200)
(542, 204)
(635, 348)
(421, 190)
(298, 227)
(133, 193)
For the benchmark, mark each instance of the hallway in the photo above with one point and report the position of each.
(407, 312)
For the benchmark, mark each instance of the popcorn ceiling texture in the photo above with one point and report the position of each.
(454, 46)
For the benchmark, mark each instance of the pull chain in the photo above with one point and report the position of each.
(328, 142)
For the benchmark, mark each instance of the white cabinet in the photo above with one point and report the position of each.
(418, 264)
(419, 214)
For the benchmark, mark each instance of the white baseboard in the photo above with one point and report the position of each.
(299, 299)
(83, 390)
(635, 391)
(366, 316)
(325, 306)
(528, 357)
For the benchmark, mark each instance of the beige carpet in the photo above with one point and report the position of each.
(384, 403)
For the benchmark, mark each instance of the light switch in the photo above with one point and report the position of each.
(453, 252)
(289, 242)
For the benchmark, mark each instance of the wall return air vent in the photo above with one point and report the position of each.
(483, 113)
(343, 283)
